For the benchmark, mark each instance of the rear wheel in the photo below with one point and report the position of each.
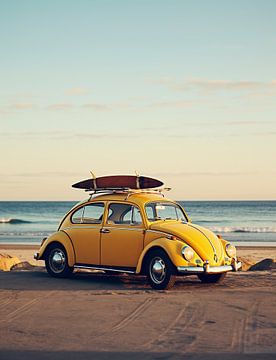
(56, 261)
(211, 278)
(160, 270)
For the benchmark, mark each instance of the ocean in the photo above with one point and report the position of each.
(242, 222)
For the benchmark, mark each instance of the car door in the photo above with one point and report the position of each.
(122, 236)
(85, 233)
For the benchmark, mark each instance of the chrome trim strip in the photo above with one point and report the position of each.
(118, 228)
(132, 228)
(103, 268)
(190, 269)
(83, 227)
(159, 232)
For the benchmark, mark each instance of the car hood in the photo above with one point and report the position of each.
(204, 242)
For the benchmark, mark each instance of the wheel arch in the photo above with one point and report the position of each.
(60, 237)
(169, 247)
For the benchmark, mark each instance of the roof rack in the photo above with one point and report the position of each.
(127, 191)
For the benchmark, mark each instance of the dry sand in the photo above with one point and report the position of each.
(99, 316)
(250, 254)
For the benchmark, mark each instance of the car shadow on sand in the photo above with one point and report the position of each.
(97, 281)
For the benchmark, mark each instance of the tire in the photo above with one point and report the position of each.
(211, 278)
(56, 262)
(160, 270)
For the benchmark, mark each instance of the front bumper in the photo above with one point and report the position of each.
(209, 269)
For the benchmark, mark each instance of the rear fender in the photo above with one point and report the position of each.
(62, 238)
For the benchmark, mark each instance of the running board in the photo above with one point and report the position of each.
(103, 268)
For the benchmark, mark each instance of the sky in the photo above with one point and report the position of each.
(183, 91)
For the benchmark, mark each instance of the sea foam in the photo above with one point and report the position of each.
(14, 221)
(242, 229)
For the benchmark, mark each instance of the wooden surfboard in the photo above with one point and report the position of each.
(118, 182)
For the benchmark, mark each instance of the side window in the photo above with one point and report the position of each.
(124, 214)
(150, 212)
(93, 213)
(77, 216)
(180, 215)
(89, 214)
(136, 216)
(117, 213)
(126, 217)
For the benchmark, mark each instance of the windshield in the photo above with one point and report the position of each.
(164, 211)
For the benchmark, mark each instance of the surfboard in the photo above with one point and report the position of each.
(118, 182)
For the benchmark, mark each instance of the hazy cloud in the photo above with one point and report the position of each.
(97, 107)
(175, 104)
(218, 85)
(41, 174)
(106, 135)
(249, 122)
(57, 135)
(77, 91)
(264, 133)
(21, 106)
(214, 85)
(60, 106)
(36, 134)
(207, 173)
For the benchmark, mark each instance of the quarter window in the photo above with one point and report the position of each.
(77, 216)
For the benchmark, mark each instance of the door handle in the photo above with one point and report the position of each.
(105, 231)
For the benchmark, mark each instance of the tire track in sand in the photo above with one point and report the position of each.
(127, 320)
(6, 302)
(175, 335)
(241, 337)
(21, 310)
(133, 315)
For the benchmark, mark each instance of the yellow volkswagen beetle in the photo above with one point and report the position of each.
(136, 232)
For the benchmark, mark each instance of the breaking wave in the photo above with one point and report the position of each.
(14, 221)
(243, 229)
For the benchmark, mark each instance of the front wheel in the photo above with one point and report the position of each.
(160, 270)
(56, 262)
(211, 278)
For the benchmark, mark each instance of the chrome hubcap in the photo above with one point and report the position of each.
(57, 260)
(157, 270)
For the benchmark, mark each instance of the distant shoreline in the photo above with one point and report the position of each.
(183, 200)
(7, 246)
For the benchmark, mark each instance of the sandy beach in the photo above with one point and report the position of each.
(250, 254)
(98, 315)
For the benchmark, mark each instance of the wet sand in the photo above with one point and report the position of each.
(100, 316)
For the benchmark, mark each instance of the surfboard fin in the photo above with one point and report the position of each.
(137, 179)
(94, 182)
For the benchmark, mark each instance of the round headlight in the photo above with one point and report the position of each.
(230, 250)
(187, 252)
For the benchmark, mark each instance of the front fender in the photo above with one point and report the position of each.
(171, 247)
(62, 238)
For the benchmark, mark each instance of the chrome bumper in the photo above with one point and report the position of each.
(208, 269)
